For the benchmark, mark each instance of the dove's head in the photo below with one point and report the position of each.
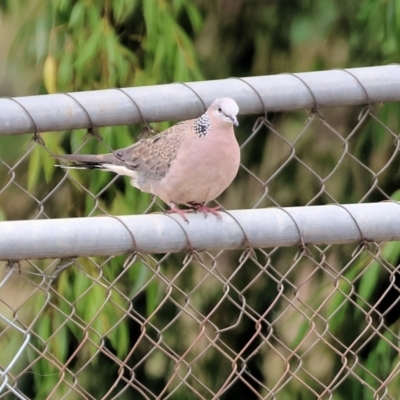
(224, 110)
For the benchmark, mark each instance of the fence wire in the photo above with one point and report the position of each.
(300, 322)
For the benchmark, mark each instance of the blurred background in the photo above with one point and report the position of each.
(49, 46)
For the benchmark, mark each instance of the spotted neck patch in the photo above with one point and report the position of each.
(202, 125)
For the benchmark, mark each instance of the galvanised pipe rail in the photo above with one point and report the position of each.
(178, 101)
(158, 233)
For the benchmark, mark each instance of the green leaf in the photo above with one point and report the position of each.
(62, 5)
(34, 167)
(152, 296)
(338, 305)
(41, 37)
(43, 328)
(51, 139)
(194, 17)
(149, 13)
(77, 16)
(301, 333)
(90, 48)
(65, 70)
(111, 45)
(94, 16)
(118, 7)
(368, 282)
(177, 5)
(81, 283)
(139, 275)
(59, 341)
(119, 336)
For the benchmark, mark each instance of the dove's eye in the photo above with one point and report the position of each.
(219, 109)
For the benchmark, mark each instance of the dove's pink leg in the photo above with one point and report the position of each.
(205, 210)
(174, 209)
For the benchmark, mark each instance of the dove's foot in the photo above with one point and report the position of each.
(205, 210)
(174, 209)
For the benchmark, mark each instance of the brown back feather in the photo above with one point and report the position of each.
(151, 157)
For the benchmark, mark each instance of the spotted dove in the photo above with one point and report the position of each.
(190, 163)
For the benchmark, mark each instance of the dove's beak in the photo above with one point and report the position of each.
(235, 121)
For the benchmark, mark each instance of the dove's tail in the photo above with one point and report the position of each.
(87, 161)
(105, 162)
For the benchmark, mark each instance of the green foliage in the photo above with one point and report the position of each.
(112, 43)
(381, 22)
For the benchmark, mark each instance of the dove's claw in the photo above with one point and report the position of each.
(205, 210)
(175, 209)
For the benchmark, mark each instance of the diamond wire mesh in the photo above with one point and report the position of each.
(308, 322)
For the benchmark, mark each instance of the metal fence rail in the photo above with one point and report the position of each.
(154, 234)
(293, 294)
(179, 101)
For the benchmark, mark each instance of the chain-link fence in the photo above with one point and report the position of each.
(293, 295)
